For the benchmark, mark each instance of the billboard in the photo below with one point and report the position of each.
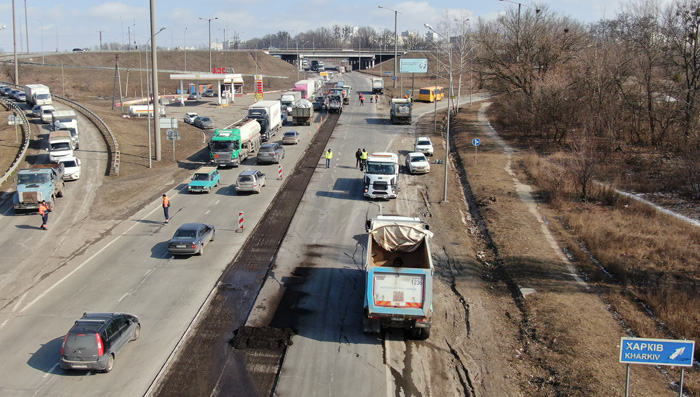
(414, 65)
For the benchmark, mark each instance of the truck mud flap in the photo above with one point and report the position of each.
(371, 326)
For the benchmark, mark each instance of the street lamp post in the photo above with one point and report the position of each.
(155, 108)
(447, 130)
(517, 34)
(461, 60)
(184, 47)
(396, 42)
(209, 19)
(26, 25)
(42, 39)
(154, 76)
(14, 40)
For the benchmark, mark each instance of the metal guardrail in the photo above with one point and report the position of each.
(26, 136)
(104, 129)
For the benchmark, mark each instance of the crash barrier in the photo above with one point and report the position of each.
(26, 136)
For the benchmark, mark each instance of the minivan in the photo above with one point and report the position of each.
(95, 340)
(250, 181)
(47, 113)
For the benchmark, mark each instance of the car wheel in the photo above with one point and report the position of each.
(201, 250)
(110, 363)
(137, 332)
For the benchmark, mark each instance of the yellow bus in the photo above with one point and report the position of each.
(431, 94)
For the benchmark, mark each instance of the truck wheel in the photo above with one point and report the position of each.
(60, 192)
(425, 334)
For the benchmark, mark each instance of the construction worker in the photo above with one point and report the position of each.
(362, 100)
(166, 207)
(363, 160)
(329, 156)
(358, 157)
(44, 212)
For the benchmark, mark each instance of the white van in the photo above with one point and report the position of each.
(47, 113)
(70, 125)
(60, 145)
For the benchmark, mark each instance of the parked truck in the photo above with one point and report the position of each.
(287, 100)
(398, 276)
(306, 87)
(400, 112)
(38, 94)
(377, 85)
(302, 112)
(61, 145)
(40, 182)
(229, 147)
(335, 103)
(269, 115)
(382, 176)
(144, 110)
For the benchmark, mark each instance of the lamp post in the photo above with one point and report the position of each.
(26, 25)
(447, 130)
(209, 20)
(396, 42)
(459, 92)
(42, 39)
(14, 40)
(148, 96)
(517, 34)
(184, 47)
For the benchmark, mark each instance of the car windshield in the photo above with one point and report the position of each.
(380, 168)
(70, 163)
(60, 146)
(245, 178)
(26, 179)
(423, 143)
(290, 134)
(201, 177)
(224, 146)
(267, 149)
(185, 234)
(205, 119)
(418, 159)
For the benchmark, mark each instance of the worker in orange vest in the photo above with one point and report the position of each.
(44, 212)
(166, 208)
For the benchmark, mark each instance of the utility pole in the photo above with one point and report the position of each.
(26, 25)
(209, 20)
(101, 40)
(396, 43)
(154, 63)
(14, 40)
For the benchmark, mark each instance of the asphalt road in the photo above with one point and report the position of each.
(126, 270)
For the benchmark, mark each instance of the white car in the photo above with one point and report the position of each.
(424, 145)
(72, 168)
(189, 117)
(36, 111)
(417, 163)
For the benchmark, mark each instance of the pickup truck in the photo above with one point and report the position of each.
(40, 182)
(398, 276)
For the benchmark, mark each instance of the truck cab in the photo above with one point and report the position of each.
(60, 145)
(400, 111)
(41, 182)
(381, 178)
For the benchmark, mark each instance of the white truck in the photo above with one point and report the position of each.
(377, 85)
(38, 94)
(67, 120)
(287, 100)
(398, 276)
(60, 145)
(382, 176)
(269, 115)
(144, 110)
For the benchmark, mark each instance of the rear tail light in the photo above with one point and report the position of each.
(422, 320)
(63, 345)
(194, 246)
(100, 345)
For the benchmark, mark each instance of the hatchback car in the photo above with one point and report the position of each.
(11, 94)
(36, 111)
(291, 138)
(204, 180)
(250, 181)
(190, 239)
(270, 153)
(417, 163)
(95, 340)
(209, 93)
(21, 96)
(204, 123)
(194, 96)
(71, 171)
(424, 145)
(190, 117)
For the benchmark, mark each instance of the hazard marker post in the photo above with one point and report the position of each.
(279, 172)
(240, 222)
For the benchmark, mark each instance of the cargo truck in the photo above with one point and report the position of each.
(302, 112)
(61, 145)
(269, 115)
(398, 276)
(144, 110)
(38, 94)
(381, 178)
(40, 182)
(306, 87)
(229, 147)
(377, 85)
(335, 103)
(287, 100)
(400, 112)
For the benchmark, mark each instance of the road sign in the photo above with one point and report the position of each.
(393, 77)
(166, 122)
(476, 141)
(657, 351)
(414, 65)
(387, 73)
(173, 135)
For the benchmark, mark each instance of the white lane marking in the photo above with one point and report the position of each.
(51, 288)
(21, 298)
(4, 322)
(50, 372)
(217, 202)
(387, 372)
(207, 213)
(123, 296)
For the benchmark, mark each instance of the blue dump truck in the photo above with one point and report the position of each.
(398, 276)
(40, 182)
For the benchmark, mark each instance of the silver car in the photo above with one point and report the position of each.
(250, 181)
(270, 153)
(204, 123)
(291, 138)
(190, 239)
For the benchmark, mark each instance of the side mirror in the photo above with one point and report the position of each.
(47, 149)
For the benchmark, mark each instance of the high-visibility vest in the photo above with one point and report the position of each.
(42, 209)
(363, 156)
(329, 155)
(166, 201)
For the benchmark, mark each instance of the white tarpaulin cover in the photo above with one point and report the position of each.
(303, 103)
(401, 238)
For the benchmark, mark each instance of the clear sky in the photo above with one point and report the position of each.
(77, 23)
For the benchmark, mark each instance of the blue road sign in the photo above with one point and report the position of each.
(387, 73)
(393, 77)
(657, 351)
(476, 141)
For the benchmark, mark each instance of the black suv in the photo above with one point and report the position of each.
(95, 339)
